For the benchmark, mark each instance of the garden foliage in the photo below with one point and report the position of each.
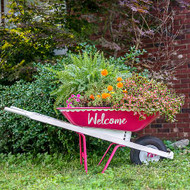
(134, 93)
(33, 30)
(81, 72)
(19, 134)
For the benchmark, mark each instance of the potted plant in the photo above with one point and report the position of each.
(95, 93)
(129, 104)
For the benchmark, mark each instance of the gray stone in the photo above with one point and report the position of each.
(60, 51)
(181, 144)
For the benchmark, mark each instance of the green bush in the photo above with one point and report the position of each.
(20, 134)
(33, 31)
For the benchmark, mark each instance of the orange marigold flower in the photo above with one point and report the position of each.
(119, 79)
(105, 95)
(104, 72)
(125, 91)
(91, 97)
(110, 88)
(98, 96)
(119, 84)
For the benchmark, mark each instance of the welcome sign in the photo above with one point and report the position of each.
(106, 118)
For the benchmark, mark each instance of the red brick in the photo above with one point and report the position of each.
(186, 129)
(181, 129)
(176, 22)
(188, 15)
(180, 47)
(172, 134)
(184, 134)
(187, 36)
(186, 41)
(167, 130)
(184, 90)
(167, 125)
(180, 17)
(182, 115)
(182, 75)
(187, 100)
(185, 120)
(187, 26)
(151, 131)
(162, 136)
(185, 80)
(181, 85)
(183, 51)
(188, 46)
(183, 125)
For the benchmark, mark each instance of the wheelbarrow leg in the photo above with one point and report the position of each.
(111, 156)
(105, 153)
(83, 154)
(80, 147)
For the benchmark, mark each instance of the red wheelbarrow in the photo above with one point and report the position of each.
(108, 124)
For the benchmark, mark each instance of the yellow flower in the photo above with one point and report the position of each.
(98, 96)
(104, 72)
(110, 88)
(119, 84)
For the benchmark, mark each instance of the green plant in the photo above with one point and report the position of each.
(60, 171)
(33, 31)
(136, 93)
(83, 73)
(18, 134)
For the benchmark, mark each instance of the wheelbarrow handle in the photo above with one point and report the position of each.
(17, 111)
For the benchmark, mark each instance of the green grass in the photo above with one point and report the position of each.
(49, 172)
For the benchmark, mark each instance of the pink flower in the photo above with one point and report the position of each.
(78, 95)
(78, 100)
(72, 96)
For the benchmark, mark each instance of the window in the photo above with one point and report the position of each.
(3, 9)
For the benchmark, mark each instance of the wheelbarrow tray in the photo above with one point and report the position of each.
(106, 118)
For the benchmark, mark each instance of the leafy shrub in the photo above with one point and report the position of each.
(19, 134)
(33, 31)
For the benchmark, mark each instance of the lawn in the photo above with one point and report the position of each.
(49, 172)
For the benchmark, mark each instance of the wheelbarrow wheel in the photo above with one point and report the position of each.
(138, 157)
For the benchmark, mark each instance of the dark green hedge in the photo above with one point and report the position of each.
(20, 134)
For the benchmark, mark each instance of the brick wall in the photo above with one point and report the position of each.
(180, 129)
